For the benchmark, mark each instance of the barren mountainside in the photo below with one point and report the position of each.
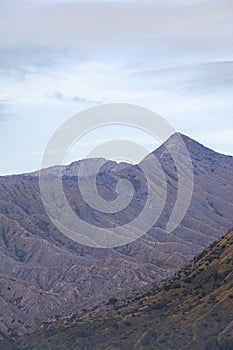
(43, 273)
(191, 310)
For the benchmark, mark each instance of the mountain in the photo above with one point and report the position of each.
(44, 273)
(191, 310)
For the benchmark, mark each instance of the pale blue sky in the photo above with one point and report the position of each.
(60, 57)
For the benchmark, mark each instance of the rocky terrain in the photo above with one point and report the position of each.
(191, 310)
(43, 273)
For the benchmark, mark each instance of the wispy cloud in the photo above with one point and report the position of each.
(4, 115)
(192, 78)
(30, 32)
(60, 96)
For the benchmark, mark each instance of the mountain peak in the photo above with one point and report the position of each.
(197, 150)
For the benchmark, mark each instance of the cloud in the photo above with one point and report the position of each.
(4, 114)
(207, 77)
(214, 75)
(146, 30)
(60, 96)
(17, 63)
(84, 100)
(79, 99)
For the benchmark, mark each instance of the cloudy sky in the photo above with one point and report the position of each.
(60, 57)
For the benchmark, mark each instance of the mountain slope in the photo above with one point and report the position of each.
(42, 272)
(192, 310)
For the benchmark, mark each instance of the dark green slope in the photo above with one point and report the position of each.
(193, 310)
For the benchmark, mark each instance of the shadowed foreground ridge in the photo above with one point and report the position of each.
(192, 310)
(43, 273)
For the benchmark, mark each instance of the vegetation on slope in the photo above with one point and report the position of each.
(192, 310)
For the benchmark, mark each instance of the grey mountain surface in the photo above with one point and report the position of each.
(43, 273)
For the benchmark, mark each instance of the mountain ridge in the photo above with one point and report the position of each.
(171, 139)
(44, 272)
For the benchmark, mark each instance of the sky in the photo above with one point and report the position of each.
(60, 57)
